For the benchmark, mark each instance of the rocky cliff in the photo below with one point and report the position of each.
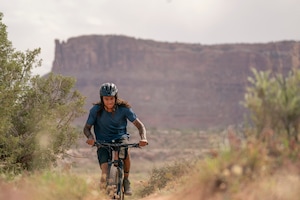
(172, 85)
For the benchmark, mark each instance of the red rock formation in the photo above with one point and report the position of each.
(172, 85)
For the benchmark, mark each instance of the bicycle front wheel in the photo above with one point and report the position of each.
(115, 188)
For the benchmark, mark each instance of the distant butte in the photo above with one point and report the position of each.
(172, 85)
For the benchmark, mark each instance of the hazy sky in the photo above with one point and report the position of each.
(37, 23)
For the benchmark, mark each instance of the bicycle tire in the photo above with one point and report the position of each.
(115, 181)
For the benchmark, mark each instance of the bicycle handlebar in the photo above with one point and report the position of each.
(103, 144)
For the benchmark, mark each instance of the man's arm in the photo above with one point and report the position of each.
(87, 132)
(142, 130)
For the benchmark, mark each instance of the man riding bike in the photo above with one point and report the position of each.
(109, 120)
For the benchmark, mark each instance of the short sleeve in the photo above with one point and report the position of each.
(92, 115)
(131, 116)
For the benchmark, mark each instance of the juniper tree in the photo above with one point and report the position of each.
(36, 113)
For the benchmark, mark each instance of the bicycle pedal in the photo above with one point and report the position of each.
(116, 163)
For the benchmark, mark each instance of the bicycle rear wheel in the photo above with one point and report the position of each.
(115, 188)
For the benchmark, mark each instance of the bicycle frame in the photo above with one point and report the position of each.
(115, 176)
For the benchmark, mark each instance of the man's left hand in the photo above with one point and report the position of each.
(143, 143)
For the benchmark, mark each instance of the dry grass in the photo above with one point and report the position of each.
(248, 170)
(244, 170)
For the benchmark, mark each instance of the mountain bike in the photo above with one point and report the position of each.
(115, 176)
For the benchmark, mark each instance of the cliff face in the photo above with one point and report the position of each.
(172, 85)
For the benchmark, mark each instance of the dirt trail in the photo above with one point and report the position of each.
(155, 197)
(7, 192)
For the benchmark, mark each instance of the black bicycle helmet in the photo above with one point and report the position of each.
(108, 89)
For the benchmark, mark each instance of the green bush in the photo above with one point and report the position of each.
(274, 101)
(35, 112)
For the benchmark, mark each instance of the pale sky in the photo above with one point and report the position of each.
(37, 23)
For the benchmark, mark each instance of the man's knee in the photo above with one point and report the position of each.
(104, 167)
(127, 158)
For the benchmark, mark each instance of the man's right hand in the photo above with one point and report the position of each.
(90, 142)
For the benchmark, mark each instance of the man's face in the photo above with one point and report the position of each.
(109, 102)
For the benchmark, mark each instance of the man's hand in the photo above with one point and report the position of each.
(143, 143)
(90, 142)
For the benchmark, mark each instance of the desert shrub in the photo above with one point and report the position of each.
(35, 112)
(274, 101)
(245, 162)
(160, 177)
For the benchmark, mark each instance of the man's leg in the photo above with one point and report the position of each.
(126, 174)
(127, 165)
(104, 171)
(103, 159)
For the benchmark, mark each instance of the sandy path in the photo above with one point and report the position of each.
(156, 197)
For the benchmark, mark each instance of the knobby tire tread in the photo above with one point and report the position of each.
(113, 181)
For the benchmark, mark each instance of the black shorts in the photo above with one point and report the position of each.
(103, 154)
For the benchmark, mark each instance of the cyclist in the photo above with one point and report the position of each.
(109, 121)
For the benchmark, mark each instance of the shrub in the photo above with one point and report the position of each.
(160, 177)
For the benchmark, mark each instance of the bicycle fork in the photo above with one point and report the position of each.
(120, 174)
(117, 163)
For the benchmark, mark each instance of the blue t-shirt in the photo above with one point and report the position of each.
(110, 126)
